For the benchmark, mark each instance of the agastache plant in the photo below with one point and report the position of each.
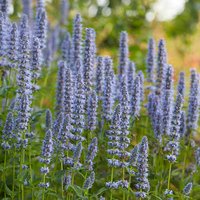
(181, 84)
(27, 9)
(47, 150)
(100, 76)
(161, 63)
(123, 54)
(135, 98)
(60, 87)
(36, 58)
(142, 184)
(41, 27)
(92, 111)
(68, 92)
(8, 132)
(4, 6)
(108, 89)
(89, 58)
(64, 7)
(167, 100)
(66, 48)
(130, 76)
(193, 107)
(76, 41)
(151, 60)
(91, 154)
(12, 43)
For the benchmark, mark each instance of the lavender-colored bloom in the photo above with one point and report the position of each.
(3, 34)
(182, 129)
(67, 181)
(125, 110)
(151, 60)
(77, 153)
(167, 100)
(47, 147)
(76, 40)
(172, 146)
(4, 6)
(48, 119)
(23, 113)
(117, 184)
(92, 111)
(66, 48)
(92, 151)
(130, 76)
(135, 98)
(197, 156)
(64, 7)
(41, 27)
(141, 76)
(60, 86)
(79, 105)
(89, 181)
(142, 184)
(161, 63)
(193, 107)
(100, 76)
(187, 189)
(12, 43)
(41, 4)
(64, 134)
(108, 89)
(44, 170)
(8, 131)
(89, 58)
(68, 92)
(123, 54)
(36, 58)
(27, 8)
(181, 84)
(134, 156)
(24, 74)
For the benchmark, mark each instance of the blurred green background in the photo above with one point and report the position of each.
(175, 20)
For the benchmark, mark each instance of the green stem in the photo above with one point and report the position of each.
(43, 192)
(111, 180)
(169, 176)
(30, 171)
(13, 184)
(4, 174)
(129, 186)
(22, 185)
(61, 167)
(123, 178)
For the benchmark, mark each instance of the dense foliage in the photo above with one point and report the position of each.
(125, 135)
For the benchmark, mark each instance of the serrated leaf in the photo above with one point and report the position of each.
(8, 191)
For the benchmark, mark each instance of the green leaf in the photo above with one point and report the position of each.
(99, 192)
(78, 190)
(8, 191)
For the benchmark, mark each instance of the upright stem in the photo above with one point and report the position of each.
(111, 180)
(123, 178)
(4, 174)
(61, 167)
(169, 176)
(44, 181)
(13, 184)
(129, 186)
(22, 162)
(30, 170)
